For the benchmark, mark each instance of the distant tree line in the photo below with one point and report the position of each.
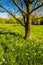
(9, 21)
(37, 21)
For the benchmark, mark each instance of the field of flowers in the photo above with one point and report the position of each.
(14, 50)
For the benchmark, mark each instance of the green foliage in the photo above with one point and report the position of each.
(14, 50)
(37, 21)
(2, 20)
(13, 21)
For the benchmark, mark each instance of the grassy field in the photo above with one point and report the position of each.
(36, 30)
(14, 50)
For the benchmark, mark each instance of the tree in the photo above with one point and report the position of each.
(31, 6)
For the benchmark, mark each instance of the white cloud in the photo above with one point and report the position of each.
(3, 15)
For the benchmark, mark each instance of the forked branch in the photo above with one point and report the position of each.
(36, 8)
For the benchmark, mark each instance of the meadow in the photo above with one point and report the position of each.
(36, 30)
(14, 50)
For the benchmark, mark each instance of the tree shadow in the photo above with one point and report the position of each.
(8, 31)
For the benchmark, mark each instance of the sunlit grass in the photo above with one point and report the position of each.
(36, 30)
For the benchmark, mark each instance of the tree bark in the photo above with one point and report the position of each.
(28, 28)
(28, 23)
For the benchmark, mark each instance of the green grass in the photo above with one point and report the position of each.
(18, 29)
(14, 50)
(36, 30)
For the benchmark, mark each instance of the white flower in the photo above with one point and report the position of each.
(33, 50)
(28, 58)
(18, 36)
(27, 54)
(2, 52)
(15, 55)
(5, 62)
(39, 52)
(26, 50)
(34, 53)
(3, 59)
(7, 50)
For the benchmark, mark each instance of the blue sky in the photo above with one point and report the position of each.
(3, 15)
(11, 7)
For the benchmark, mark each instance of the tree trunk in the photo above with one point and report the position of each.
(28, 23)
(28, 27)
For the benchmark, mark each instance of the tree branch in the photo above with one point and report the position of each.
(2, 11)
(36, 8)
(20, 8)
(12, 15)
(17, 11)
(35, 3)
(32, 1)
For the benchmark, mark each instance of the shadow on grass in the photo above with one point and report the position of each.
(8, 31)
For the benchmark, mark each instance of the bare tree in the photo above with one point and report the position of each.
(26, 11)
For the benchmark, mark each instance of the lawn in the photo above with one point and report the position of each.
(36, 30)
(14, 50)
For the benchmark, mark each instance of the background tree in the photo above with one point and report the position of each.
(26, 7)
